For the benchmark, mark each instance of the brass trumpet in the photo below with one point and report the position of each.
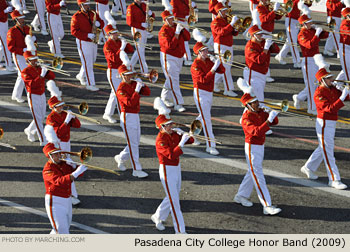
(83, 107)
(283, 105)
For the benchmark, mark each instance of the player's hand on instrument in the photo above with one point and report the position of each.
(97, 23)
(8, 9)
(62, 3)
(272, 115)
(144, 25)
(139, 85)
(70, 162)
(234, 20)
(318, 31)
(268, 43)
(123, 45)
(91, 36)
(179, 131)
(69, 117)
(179, 28)
(150, 13)
(216, 64)
(276, 6)
(338, 86)
(194, 5)
(43, 71)
(344, 94)
(184, 139)
(212, 57)
(80, 170)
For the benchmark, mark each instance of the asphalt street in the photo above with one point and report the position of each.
(124, 204)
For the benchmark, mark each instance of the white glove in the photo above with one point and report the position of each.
(344, 94)
(194, 5)
(97, 23)
(329, 18)
(179, 28)
(272, 115)
(24, 49)
(43, 71)
(122, 47)
(91, 36)
(268, 43)
(68, 117)
(229, 4)
(150, 13)
(179, 131)
(8, 9)
(70, 162)
(184, 139)
(144, 25)
(80, 170)
(318, 31)
(216, 65)
(212, 57)
(277, 6)
(234, 20)
(62, 3)
(338, 86)
(138, 87)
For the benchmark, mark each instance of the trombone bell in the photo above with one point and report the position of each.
(83, 108)
(137, 36)
(153, 76)
(1, 132)
(227, 55)
(284, 105)
(196, 127)
(85, 154)
(57, 63)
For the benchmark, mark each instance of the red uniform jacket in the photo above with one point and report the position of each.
(202, 77)
(35, 84)
(129, 100)
(327, 102)
(81, 24)
(15, 39)
(181, 8)
(255, 1)
(62, 130)
(256, 59)
(167, 148)
(3, 15)
(309, 42)
(57, 179)
(53, 6)
(211, 7)
(334, 8)
(102, 1)
(267, 18)
(345, 28)
(136, 14)
(255, 126)
(295, 13)
(171, 45)
(222, 31)
(111, 50)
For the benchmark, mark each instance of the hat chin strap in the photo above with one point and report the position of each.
(250, 107)
(53, 161)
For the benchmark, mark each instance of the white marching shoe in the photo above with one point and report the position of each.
(296, 101)
(196, 142)
(188, 62)
(337, 184)
(308, 173)
(168, 103)
(297, 65)
(139, 174)
(269, 79)
(280, 59)
(312, 112)
(109, 118)
(81, 79)
(44, 32)
(92, 88)
(216, 89)
(329, 53)
(212, 151)
(120, 163)
(242, 200)
(30, 136)
(271, 210)
(179, 108)
(75, 200)
(51, 47)
(230, 93)
(158, 222)
(19, 100)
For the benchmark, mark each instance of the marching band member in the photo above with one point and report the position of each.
(101, 7)
(223, 33)
(211, 8)
(119, 4)
(128, 95)
(17, 46)
(253, 4)
(58, 176)
(203, 72)
(344, 45)
(112, 50)
(171, 39)
(334, 8)
(5, 9)
(54, 21)
(34, 77)
(61, 121)
(82, 24)
(308, 39)
(136, 19)
(329, 100)
(255, 123)
(169, 146)
(39, 19)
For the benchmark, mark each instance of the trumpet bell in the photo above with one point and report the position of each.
(153, 76)
(1, 132)
(85, 154)
(284, 105)
(83, 108)
(196, 127)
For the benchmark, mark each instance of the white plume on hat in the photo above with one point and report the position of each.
(54, 91)
(110, 19)
(347, 3)
(198, 36)
(303, 8)
(320, 62)
(17, 5)
(125, 59)
(256, 18)
(245, 87)
(159, 105)
(29, 40)
(51, 136)
(167, 5)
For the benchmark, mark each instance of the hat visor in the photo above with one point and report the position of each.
(169, 17)
(33, 58)
(327, 76)
(252, 100)
(308, 21)
(127, 73)
(21, 17)
(203, 48)
(55, 151)
(168, 122)
(59, 104)
(113, 31)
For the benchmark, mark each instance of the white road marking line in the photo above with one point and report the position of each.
(43, 214)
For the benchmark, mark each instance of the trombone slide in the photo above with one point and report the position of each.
(93, 167)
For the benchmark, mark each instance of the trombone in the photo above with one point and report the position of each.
(227, 59)
(5, 144)
(83, 108)
(57, 62)
(53, 69)
(135, 39)
(151, 76)
(283, 107)
(345, 85)
(285, 8)
(242, 24)
(187, 26)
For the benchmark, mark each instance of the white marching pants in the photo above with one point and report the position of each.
(211, 39)
(88, 53)
(120, 4)
(204, 101)
(252, 7)
(130, 123)
(171, 68)
(344, 54)
(139, 54)
(114, 81)
(257, 81)
(56, 30)
(333, 39)
(4, 51)
(187, 54)
(325, 130)
(291, 43)
(255, 177)
(20, 63)
(39, 18)
(170, 176)
(309, 69)
(59, 211)
(226, 77)
(101, 9)
(65, 146)
(37, 105)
